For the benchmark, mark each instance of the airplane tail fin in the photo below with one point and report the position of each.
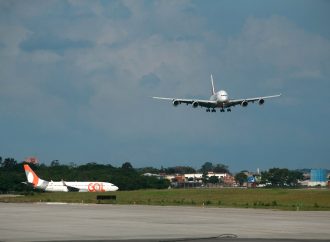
(32, 178)
(213, 91)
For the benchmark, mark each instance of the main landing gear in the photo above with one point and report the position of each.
(222, 110)
(211, 110)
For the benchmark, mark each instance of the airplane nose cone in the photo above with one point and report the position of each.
(115, 188)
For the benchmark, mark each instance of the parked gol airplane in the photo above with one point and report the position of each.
(64, 186)
(218, 99)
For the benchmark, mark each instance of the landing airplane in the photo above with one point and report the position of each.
(218, 99)
(63, 186)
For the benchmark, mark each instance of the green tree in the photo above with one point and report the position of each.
(55, 163)
(205, 178)
(221, 168)
(148, 170)
(191, 179)
(218, 168)
(206, 167)
(127, 166)
(241, 177)
(214, 179)
(179, 170)
(11, 176)
(278, 177)
(294, 177)
(9, 163)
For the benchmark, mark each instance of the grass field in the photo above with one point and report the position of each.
(283, 199)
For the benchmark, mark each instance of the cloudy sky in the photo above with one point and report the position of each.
(76, 79)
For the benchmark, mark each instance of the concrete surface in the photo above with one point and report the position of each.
(69, 222)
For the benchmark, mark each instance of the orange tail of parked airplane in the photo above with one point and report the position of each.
(31, 176)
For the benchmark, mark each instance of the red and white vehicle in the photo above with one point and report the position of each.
(64, 186)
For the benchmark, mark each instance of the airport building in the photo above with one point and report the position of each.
(318, 177)
(196, 179)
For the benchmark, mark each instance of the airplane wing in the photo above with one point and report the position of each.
(194, 102)
(244, 102)
(70, 188)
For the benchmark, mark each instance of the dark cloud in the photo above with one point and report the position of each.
(53, 43)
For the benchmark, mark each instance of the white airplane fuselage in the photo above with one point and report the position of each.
(221, 97)
(81, 186)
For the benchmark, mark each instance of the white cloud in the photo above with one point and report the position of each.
(277, 43)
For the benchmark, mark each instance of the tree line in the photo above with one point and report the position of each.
(126, 177)
(274, 177)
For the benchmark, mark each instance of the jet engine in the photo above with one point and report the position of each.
(244, 103)
(175, 103)
(195, 104)
(261, 101)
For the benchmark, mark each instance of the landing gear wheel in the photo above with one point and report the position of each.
(222, 110)
(207, 110)
(213, 110)
(228, 110)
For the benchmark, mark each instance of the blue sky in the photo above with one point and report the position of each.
(76, 79)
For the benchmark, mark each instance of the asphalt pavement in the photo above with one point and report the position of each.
(97, 222)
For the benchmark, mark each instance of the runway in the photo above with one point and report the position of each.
(77, 222)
